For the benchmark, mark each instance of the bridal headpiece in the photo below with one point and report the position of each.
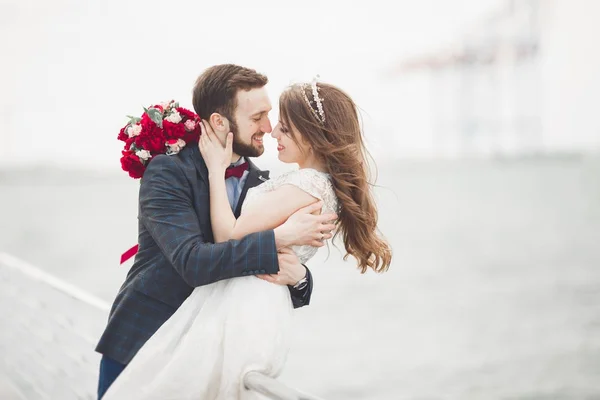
(317, 108)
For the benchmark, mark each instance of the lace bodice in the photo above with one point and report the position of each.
(317, 184)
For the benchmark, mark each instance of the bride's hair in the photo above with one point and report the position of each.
(332, 129)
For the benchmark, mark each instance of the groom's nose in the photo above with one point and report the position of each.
(265, 126)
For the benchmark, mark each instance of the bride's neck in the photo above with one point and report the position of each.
(314, 164)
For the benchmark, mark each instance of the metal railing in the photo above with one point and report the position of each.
(36, 375)
(274, 389)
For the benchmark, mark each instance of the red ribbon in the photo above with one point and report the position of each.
(129, 253)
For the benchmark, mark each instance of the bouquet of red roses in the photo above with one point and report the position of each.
(162, 129)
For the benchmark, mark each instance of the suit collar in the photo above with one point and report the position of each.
(253, 168)
(255, 178)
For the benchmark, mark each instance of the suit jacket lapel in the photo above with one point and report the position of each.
(193, 156)
(255, 178)
(199, 162)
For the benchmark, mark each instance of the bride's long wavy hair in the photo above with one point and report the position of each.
(339, 143)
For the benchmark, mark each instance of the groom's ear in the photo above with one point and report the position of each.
(219, 123)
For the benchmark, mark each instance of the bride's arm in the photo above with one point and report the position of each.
(217, 159)
(274, 209)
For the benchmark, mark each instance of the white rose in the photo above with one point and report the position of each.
(174, 117)
(134, 130)
(143, 154)
(190, 125)
(175, 146)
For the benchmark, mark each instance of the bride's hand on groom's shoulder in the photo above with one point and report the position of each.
(216, 157)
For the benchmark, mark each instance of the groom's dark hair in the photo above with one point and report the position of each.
(215, 90)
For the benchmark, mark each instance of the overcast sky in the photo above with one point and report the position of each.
(72, 69)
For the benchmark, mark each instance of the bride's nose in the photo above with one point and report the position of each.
(275, 133)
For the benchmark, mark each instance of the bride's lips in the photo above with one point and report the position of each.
(280, 147)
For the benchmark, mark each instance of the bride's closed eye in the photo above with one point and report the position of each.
(283, 128)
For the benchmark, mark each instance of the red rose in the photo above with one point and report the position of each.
(154, 143)
(186, 114)
(123, 136)
(192, 137)
(146, 122)
(128, 143)
(131, 164)
(151, 137)
(173, 131)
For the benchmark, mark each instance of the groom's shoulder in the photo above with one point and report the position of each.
(177, 163)
(162, 162)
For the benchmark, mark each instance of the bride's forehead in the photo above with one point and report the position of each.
(253, 101)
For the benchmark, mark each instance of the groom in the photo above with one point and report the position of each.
(176, 250)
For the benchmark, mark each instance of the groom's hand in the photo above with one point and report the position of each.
(305, 228)
(290, 269)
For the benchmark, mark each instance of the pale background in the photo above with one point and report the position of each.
(480, 114)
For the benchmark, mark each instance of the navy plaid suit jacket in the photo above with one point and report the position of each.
(176, 253)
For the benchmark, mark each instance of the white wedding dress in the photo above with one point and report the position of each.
(222, 330)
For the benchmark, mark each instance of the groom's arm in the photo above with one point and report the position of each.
(291, 270)
(167, 212)
(301, 295)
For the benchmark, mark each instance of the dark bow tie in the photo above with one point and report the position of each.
(236, 171)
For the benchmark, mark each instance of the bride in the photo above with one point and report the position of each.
(228, 328)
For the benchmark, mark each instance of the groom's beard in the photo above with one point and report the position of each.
(245, 149)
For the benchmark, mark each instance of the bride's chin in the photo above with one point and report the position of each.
(284, 160)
